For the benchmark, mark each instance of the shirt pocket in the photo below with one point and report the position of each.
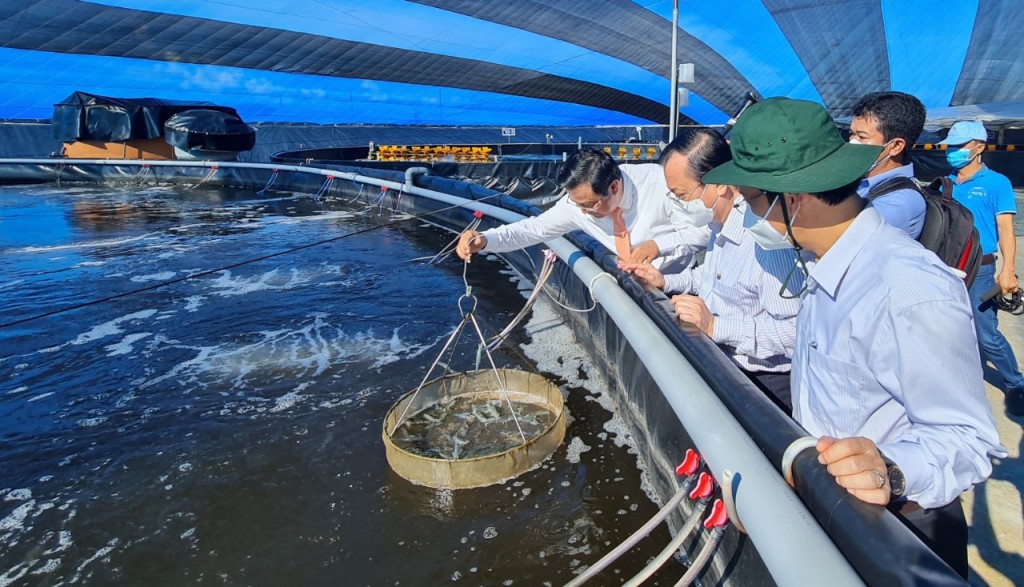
(838, 394)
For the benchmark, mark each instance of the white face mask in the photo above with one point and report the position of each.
(696, 211)
(764, 234)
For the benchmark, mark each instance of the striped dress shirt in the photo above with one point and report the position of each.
(740, 282)
(886, 349)
(647, 210)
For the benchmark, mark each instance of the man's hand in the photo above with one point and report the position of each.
(645, 273)
(644, 252)
(857, 465)
(470, 242)
(693, 309)
(1007, 281)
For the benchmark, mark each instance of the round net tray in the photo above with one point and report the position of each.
(458, 431)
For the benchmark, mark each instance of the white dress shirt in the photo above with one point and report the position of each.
(886, 349)
(647, 212)
(740, 282)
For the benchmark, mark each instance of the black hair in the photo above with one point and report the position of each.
(703, 148)
(590, 167)
(899, 115)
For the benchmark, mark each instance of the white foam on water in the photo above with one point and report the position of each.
(39, 397)
(575, 449)
(16, 519)
(16, 494)
(91, 422)
(17, 390)
(301, 354)
(125, 346)
(193, 303)
(275, 279)
(48, 567)
(91, 264)
(98, 555)
(89, 245)
(12, 283)
(111, 328)
(162, 276)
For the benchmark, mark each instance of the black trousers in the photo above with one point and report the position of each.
(944, 530)
(775, 386)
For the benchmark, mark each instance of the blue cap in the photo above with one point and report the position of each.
(966, 131)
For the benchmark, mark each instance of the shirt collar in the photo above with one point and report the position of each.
(829, 271)
(868, 183)
(733, 227)
(981, 172)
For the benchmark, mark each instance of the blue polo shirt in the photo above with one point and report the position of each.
(986, 194)
(904, 208)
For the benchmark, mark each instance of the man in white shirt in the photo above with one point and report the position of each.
(618, 205)
(885, 369)
(734, 295)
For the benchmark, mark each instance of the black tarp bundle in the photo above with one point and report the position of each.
(209, 130)
(88, 117)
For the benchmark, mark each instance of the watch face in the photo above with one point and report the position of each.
(897, 483)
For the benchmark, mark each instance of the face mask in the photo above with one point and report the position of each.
(764, 234)
(856, 141)
(696, 211)
(959, 158)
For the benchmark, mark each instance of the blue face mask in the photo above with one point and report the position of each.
(959, 158)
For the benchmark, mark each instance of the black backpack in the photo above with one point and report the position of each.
(948, 229)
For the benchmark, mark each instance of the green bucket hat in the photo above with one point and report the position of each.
(791, 146)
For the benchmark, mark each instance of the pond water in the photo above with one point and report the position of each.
(220, 423)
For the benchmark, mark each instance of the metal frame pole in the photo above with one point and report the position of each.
(673, 115)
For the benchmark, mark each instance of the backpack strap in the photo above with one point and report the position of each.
(892, 185)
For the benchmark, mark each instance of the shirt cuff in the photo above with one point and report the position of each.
(727, 331)
(916, 472)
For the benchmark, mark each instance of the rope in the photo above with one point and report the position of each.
(270, 182)
(702, 558)
(448, 249)
(634, 538)
(225, 267)
(325, 188)
(546, 270)
(454, 336)
(670, 550)
(206, 179)
(139, 177)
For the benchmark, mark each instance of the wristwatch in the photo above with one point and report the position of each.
(897, 482)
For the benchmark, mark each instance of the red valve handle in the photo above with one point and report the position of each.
(718, 518)
(478, 214)
(705, 484)
(690, 463)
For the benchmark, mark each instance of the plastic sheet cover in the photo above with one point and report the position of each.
(89, 117)
(208, 129)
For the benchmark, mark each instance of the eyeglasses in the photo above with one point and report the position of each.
(593, 208)
(685, 197)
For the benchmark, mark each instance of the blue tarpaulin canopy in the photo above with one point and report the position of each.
(458, 62)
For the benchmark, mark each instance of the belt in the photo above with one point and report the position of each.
(988, 259)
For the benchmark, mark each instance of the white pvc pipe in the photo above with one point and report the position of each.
(789, 540)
